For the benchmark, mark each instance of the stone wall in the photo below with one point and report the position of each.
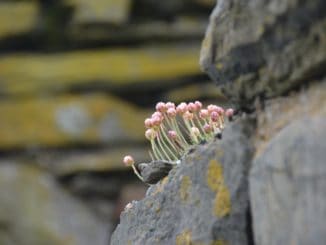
(77, 79)
(264, 182)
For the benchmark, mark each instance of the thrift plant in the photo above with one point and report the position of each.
(172, 130)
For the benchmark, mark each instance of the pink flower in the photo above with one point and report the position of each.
(182, 108)
(203, 114)
(211, 108)
(219, 110)
(150, 134)
(192, 107)
(170, 105)
(171, 112)
(148, 123)
(172, 134)
(207, 128)
(229, 112)
(214, 116)
(198, 105)
(161, 107)
(157, 114)
(128, 160)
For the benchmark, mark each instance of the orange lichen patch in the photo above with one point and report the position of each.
(222, 202)
(214, 175)
(26, 73)
(68, 119)
(184, 238)
(25, 10)
(185, 186)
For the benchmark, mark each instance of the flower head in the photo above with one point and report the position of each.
(128, 160)
(182, 108)
(161, 107)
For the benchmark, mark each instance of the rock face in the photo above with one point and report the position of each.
(264, 48)
(204, 200)
(35, 210)
(288, 183)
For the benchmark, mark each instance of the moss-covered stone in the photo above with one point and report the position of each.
(17, 17)
(67, 120)
(102, 11)
(118, 68)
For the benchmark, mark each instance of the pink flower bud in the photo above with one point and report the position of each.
(182, 108)
(195, 131)
(207, 128)
(172, 134)
(191, 107)
(157, 114)
(198, 105)
(170, 105)
(214, 116)
(203, 114)
(229, 112)
(148, 123)
(150, 134)
(156, 121)
(171, 112)
(211, 108)
(219, 110)
(188, 115)
(161, 107)
(128, 160)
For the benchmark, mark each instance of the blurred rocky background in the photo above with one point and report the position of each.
(77, 79)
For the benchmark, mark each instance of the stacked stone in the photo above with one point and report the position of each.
(77, 79)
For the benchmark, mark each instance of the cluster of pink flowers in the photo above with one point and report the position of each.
(172, 129)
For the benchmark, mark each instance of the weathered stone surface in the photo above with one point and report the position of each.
(118, 69)
(66, 120)
(287, 181)
(203, 200)
(35, 210)
(264, 48)
(25, 10)
(103, 11)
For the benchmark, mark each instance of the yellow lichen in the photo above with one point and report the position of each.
(52, 72)
(215, 181)
(185, 186)
(160, 186)
(184, 238)
(222, 202)
(214, 175)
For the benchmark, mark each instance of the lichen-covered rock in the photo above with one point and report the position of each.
(66, 120)
(117, 69)
(204, 200)
(264, 48)
(27, 12)
(287, 181)
(34, 209)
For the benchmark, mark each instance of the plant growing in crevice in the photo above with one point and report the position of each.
(172, 130)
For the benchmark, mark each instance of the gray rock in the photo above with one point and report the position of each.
(264, 48)
(34, 210)
(288, 185)
(203, 200)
